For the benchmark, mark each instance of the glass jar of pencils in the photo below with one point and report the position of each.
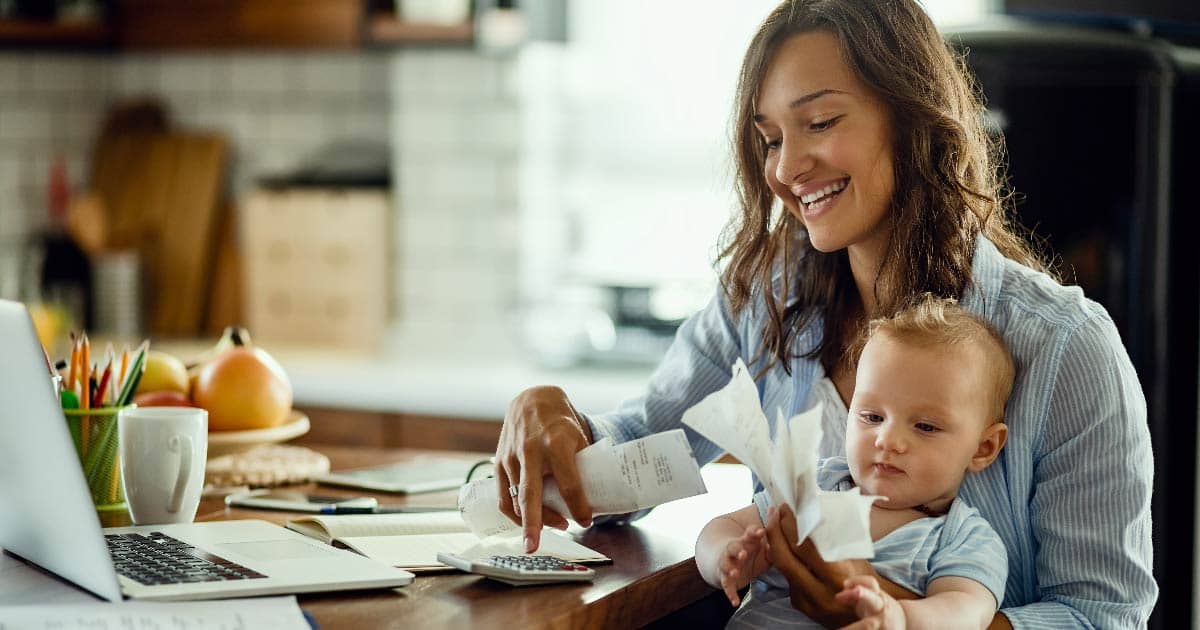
(94, 432)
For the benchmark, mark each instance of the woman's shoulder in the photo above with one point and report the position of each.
(1026, 304)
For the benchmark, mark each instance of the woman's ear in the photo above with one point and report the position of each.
(990, 443)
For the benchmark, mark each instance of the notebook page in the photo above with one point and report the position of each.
(328, 527)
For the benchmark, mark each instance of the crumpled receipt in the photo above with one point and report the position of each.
(617, 479)
(837, 522)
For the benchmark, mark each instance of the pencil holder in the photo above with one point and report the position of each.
(94, 432)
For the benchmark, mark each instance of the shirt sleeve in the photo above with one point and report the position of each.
(1090, 508)
(973, 550)
(698, 362)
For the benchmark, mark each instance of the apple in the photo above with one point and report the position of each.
(163, 398)
(163, 372)
(243, 388)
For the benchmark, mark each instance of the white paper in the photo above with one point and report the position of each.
(617, 479)
(732, 418)
(245, 614)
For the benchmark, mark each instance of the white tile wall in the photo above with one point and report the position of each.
(449, 115)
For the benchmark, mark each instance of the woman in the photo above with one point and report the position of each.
(856, 116)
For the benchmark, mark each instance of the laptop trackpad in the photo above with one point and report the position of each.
(277, 549)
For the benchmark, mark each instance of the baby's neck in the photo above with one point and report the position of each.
(887, 520)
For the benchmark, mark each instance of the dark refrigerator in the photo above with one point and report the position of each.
(1101, 129)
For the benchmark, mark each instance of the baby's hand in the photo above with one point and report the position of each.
(874, 607)
(744, 557)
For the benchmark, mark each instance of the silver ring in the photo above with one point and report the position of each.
(512, 491)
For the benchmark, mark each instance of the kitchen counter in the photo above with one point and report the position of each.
(461, 374)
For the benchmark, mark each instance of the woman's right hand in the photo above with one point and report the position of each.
(542, 432)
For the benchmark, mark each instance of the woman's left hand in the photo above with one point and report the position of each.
(814, 582)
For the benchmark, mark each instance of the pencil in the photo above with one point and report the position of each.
(102, 388)
(123, 374)
(70, 384)
(86, 374)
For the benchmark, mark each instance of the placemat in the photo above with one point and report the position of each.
(267, 465)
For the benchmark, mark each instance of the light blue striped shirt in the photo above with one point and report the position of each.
(1069, 494)
(959, 543)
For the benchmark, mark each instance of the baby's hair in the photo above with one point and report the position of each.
(932, 321)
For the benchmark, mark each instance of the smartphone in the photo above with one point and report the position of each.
(300, 502)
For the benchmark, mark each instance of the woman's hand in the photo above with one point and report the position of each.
(814, 583)
(541, 434)
(744, 558)
(876, 609)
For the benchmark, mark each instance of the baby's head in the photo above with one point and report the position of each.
(928, 404)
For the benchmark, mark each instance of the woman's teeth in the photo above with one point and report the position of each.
(835, 187)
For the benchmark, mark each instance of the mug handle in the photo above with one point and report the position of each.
(185, 469)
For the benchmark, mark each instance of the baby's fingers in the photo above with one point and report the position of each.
(729, 585)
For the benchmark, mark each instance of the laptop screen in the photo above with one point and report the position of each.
(48, 517)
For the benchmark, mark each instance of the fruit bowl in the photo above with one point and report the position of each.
(228, 442)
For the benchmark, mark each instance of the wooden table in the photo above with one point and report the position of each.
(653, 571)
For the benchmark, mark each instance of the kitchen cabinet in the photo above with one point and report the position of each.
(378, 429)
(207, 24)
(233, 24)
(24, 33)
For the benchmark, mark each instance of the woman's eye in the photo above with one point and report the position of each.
(772, 144)
(925, 427)
(870, 418)
(823, 125)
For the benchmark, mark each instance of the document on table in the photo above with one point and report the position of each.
(837, 522)
(617, 479)
(229, 614)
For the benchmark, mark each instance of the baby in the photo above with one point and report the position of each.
(928, 407)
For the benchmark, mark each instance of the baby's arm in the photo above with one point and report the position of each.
(950, 602)
(732, 550)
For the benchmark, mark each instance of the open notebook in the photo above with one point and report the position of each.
(413, 540)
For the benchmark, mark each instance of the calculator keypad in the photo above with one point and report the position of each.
(534, 563)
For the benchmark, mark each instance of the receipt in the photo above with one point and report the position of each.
(617, 479)
(732, 418)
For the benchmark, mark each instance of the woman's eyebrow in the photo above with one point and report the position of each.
(803, 100)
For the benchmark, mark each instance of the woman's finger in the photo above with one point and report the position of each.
(529, 497)
(803, 584)
(563, 441)
(506, 502)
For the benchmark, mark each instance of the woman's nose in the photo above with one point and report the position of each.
(795, 160)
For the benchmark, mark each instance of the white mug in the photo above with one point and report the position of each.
(163, 454)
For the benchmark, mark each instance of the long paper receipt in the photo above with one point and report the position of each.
(617, 479)
(837, 522)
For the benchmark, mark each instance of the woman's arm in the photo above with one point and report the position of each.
(813, 583)
(1092, 479)
(542, 431)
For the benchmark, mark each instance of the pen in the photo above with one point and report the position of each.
(383, 509)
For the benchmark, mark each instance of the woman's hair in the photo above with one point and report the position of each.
(947, 175)
(930, 321)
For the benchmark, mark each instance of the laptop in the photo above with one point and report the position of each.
(47, 516)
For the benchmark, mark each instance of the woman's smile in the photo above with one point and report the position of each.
(816, 198)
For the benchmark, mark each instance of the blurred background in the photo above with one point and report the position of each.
(424, 206)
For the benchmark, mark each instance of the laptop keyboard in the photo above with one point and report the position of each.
(157, 558)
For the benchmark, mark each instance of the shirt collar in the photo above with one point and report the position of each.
(987, 278)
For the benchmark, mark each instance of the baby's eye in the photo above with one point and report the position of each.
(925, 427)
(870, 418)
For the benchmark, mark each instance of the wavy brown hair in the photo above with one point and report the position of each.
(947, 173)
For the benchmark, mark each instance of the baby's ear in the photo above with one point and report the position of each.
(990, 443)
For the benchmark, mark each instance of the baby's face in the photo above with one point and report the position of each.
(916, 421)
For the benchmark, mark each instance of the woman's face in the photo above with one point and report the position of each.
(829, 155)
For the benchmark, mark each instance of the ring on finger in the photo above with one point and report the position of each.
(512, 491)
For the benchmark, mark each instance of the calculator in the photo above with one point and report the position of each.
(521, 570)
